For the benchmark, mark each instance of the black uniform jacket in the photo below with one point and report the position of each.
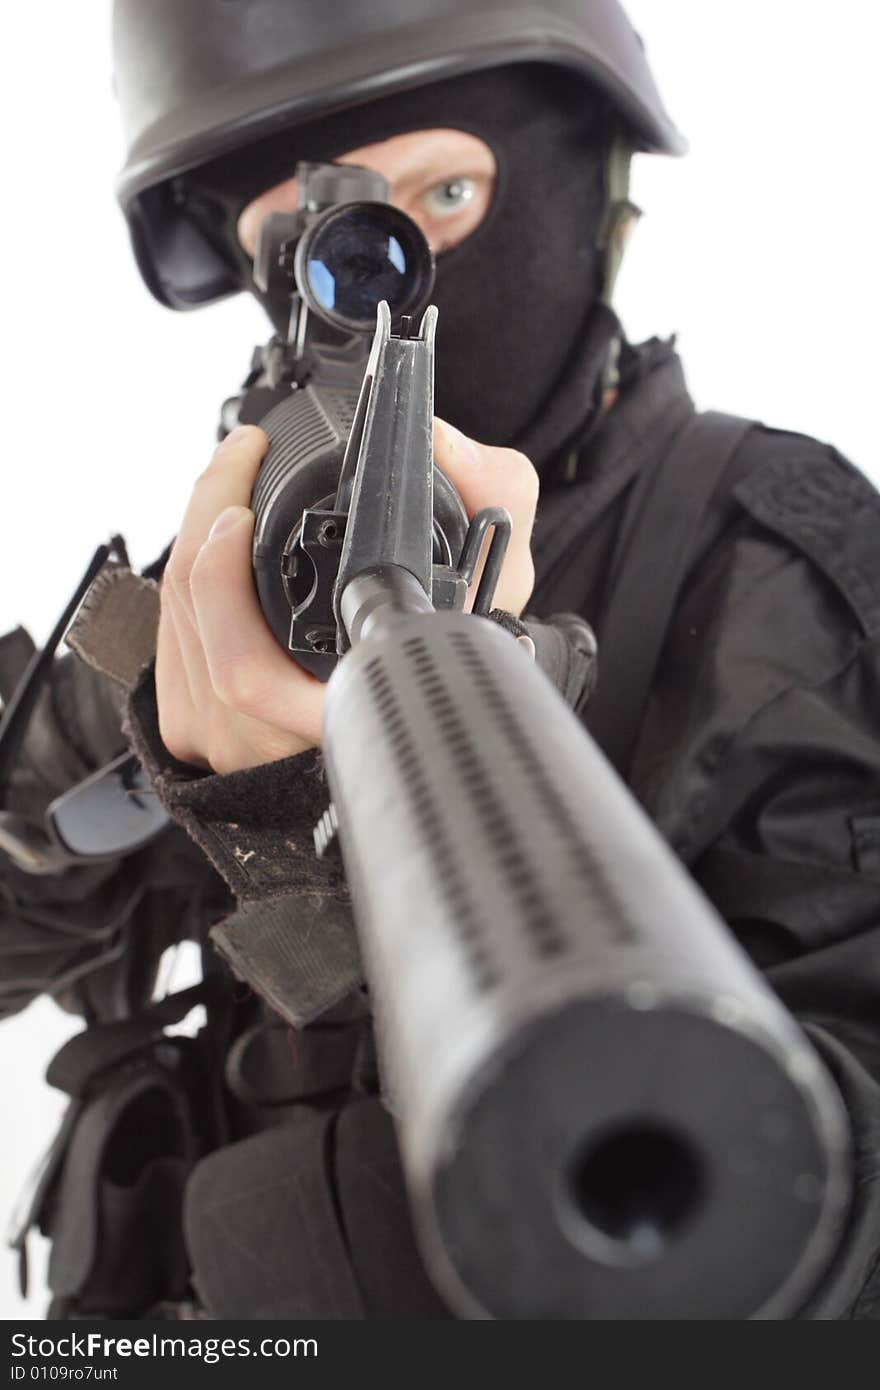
(758, 757)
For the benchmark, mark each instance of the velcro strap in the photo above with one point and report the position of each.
(298, 953)
(117, 625)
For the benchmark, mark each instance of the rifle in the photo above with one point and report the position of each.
(603, 1110)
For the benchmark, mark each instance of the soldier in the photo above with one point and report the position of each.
(738, 707)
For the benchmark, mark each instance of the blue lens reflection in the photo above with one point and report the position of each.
(322, 283)
(395, 255)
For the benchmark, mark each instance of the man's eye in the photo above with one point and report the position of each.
(446, 199)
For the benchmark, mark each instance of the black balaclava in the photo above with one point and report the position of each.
(522, 339)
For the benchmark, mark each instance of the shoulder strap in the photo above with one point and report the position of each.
(662, 523)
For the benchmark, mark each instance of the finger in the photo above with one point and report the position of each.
(188, 651)
(248, 669)
(175, 701)
(228, 481)
(486, 476)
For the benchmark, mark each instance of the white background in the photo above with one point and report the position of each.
(759, 249)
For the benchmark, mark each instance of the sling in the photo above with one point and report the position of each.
(651, 563)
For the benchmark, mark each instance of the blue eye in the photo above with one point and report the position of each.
(446, 199)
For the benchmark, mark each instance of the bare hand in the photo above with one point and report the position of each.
(228, 696)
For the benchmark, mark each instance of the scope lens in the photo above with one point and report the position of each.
(359, 254)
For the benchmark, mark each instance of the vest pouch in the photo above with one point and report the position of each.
(308, 1221)
(109, 1193)
(114, 1211)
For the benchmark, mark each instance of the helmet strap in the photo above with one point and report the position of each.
(621, 214)
(620, 218)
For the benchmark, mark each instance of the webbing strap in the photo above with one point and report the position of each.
(103, 1045)
(660, 529)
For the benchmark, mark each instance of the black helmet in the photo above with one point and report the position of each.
(200, 79)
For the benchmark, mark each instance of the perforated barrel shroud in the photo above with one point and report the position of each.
(603, 1110)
